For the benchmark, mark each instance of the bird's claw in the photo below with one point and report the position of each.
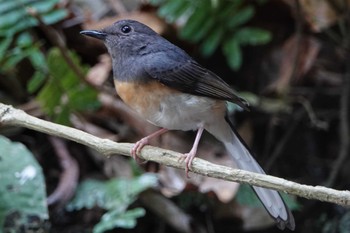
(136, 150)
(187, 158)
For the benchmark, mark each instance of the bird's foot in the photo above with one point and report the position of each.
(136, 150)
(187, 158)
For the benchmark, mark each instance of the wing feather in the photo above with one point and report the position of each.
(190, 77)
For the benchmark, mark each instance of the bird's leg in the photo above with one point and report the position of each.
(145, 141)
(188, 157)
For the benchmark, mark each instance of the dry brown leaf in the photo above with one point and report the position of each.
(294, 59)
(99, 73)
(174, 181)
(225, 191)
(117, 166)
(319, 14)
(82, 124)
(328, 78)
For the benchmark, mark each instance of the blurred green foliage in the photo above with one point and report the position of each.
(17, 42)
(59, 90)
(64, 92)
(23, 205)
(114, 196)
(214, 24)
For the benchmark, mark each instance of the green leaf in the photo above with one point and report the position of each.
(210, 44)
(37, 59)
(228, 10)
(6, 6)
(156, 2)
(50, 97)
(124, 191)
(172, 9)
(18, 27)
(195, 21)
(203, 30)
(24, 40)
(185, 7)
(112, 194)
(56, 64)
(115, 196)
(12, 17)
(62, 113)
(43, 6)
(90, 193)
(241, 17)
(16, 55)
(65, 93)
(36, 81)
(233, 53)
(54, 16)
(113, 219)
(4, 45)
(83, 99)
(22, 189)
(253, 36)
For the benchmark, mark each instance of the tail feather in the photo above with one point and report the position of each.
(271, 199)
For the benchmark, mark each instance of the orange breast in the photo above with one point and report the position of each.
(145, 98)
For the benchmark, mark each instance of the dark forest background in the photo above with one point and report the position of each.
(289, 59)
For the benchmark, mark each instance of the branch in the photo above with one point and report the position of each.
(15, 117)
(344, 133)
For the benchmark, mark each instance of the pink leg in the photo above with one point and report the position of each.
(188, 157)
(145, 141)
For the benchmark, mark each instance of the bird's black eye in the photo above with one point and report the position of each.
(126, 29)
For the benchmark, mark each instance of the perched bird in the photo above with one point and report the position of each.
(167, 87)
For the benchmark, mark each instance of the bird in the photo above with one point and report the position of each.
(168, 88)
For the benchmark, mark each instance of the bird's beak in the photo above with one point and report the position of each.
(94, 33)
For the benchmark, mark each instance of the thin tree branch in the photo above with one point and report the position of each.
(284, 140)
(15, 117)
(344, 133)
(57, 40)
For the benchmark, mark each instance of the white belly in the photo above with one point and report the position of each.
(187, 112)
(169, 108)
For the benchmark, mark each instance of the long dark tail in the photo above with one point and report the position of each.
(236, 147)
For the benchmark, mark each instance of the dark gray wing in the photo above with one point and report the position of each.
(190, 77)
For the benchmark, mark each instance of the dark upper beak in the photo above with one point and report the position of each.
(94, 33)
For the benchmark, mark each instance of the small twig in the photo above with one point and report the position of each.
(344, 134)
(311, 114)
(69, 177)
(16, 117)
(56, 39)
(281, 143)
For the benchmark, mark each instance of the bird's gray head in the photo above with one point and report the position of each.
(124, 35)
